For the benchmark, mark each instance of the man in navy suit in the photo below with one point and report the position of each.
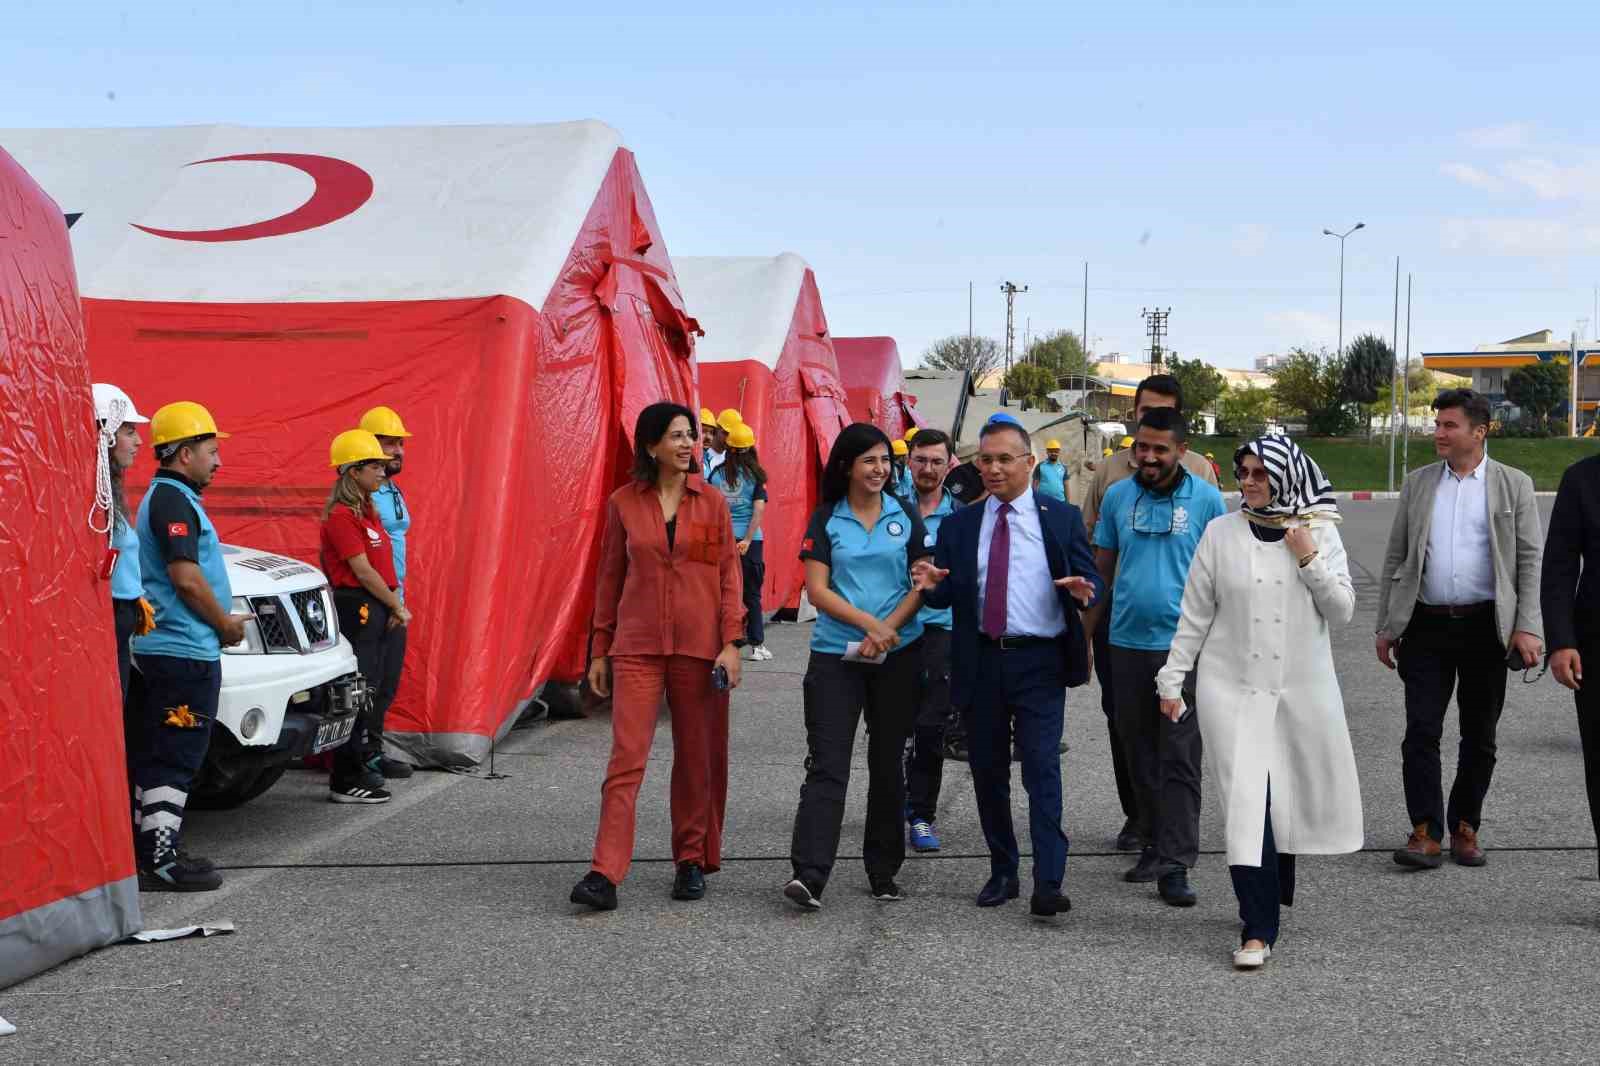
(1016, 570)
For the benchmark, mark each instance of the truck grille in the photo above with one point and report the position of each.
(277, 633)
(317, 618)
(295, 623)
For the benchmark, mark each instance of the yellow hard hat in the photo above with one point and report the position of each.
(1127, 442)
(1210, 456)
(1052, 445)
(1107, 453)
(729, 418)
(899, 447)
(911, 434)
(383, 422)
(707, 418)
(181, 421)
(354, 446)
(741, 436)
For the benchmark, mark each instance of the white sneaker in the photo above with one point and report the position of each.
(760, 654)
(1251, 958)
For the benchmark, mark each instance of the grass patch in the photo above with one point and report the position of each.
(1352, 464)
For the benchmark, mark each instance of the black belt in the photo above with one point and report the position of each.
(1013, 643)
(1456, 610)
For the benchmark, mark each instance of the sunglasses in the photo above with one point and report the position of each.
(1258, 473)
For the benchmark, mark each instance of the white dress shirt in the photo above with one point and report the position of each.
(1459, 566)
(1033, 609)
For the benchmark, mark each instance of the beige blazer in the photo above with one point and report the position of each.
(1515, 539)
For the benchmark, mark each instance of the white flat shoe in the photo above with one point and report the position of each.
(1251, 958)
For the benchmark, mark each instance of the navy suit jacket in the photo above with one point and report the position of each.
(1066, 548)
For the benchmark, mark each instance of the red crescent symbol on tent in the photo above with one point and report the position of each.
(341, 189)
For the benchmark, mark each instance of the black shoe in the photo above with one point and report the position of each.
(195, 861)
(690, 882)
(955, 749)
(595, 891)
(1129, 839)
(395, 770)
(884, 890)
(177, 874)
(998, 889)
(1047, 902)
(1176, 890)
(805, 896)
(1147, 869)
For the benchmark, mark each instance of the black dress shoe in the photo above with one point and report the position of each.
(1129, 839)
(1176, 890)
(1047, 902)
(1147, 869)
(690, 882)
(999, 889)
(595, 891)
(395, 770)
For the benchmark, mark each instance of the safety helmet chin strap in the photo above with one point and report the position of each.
(107, 434)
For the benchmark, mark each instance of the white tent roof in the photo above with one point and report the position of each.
(454, 211)
(745, 304)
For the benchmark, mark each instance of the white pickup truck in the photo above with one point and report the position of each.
(290, 689)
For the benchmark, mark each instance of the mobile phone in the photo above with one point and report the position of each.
(719, 678)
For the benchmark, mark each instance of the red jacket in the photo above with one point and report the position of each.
(649, 601)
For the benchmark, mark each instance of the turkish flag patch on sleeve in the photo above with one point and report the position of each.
(177, 529)
(806, 544)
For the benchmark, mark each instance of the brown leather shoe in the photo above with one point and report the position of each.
(1464, 846)
(1421, 851)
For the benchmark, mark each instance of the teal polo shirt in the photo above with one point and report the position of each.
(1053, 480)
(1154, 537)
(871, 569)
(741, 500)
(931, 616)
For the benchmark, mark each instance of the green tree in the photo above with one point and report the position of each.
(1243, 411)
(1030, 385)
(1202, 383)
(1369, 366)
(1060, 351)
(980, 356)
(1312, 383)
(1540, 389)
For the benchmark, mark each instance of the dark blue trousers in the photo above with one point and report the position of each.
(1020, 691)
(1263, 889)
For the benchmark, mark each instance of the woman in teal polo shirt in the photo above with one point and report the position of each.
(858, 552)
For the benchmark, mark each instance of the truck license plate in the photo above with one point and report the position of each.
(332, 734)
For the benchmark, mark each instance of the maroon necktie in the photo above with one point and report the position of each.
(994, 584)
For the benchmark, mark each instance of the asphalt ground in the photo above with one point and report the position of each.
(436, 929)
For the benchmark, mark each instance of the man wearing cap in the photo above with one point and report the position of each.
(713, 443)
(384, 423)
(1050, 476)
(1157, 390)
(179, 662)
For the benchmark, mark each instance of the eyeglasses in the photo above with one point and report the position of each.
(1148, 517)
(984, 459)
(929, 461)
(1255, 473)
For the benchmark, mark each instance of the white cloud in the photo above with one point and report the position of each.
(1473, 176)
(1250, 239)
(1521, 236)
(1507, 136)
(1552, 181)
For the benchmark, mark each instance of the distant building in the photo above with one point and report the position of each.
(1270, 361)
(1489, 364)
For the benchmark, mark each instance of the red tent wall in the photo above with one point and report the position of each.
(870, 368)
(796, 411)
(67, 880)
(522, 421)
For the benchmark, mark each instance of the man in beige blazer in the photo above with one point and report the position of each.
(1458, 595)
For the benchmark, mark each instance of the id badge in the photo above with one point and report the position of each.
(109, 564)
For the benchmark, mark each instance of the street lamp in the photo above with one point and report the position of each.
(1342, 236)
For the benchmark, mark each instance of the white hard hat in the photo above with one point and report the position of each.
(106, 397)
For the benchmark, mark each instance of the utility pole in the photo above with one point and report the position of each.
(1405, 394)
(1572, 402)
(1084, 336)
(1342, 236)
(1155, 327)
(969, 314)
(1394, 347)
(1011, 290)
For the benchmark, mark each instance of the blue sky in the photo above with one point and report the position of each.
(1192, 154)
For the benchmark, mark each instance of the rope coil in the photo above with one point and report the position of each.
(107, 438)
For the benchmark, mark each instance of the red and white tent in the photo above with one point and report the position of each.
(67, 880)
(876, 384)
(505, 288)
(766, 351)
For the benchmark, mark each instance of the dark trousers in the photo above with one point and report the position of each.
(1261, 890)
(1438, 655)
(1021, 691)
(168, 736)
(125, 616)
(394, 660)
(1588, 703)
(364, 622)
(837, 696)
(1163, 757)
(1126, 795)
(753, 567)
(925, 753)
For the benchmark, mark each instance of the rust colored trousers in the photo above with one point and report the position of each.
(699, 759)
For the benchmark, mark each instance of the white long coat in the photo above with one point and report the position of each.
(1268, 700)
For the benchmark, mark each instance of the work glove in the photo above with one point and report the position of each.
(147, 618)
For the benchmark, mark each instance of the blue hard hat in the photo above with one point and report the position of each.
(1001, 416)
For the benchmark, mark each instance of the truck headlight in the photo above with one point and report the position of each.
(252, 643)
(250, 724)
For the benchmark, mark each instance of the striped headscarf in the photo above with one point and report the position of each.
(1299, 489)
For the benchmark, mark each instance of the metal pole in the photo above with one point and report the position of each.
(1405, 393)
(1572, 402)
(969, 314)
(1085, 337)
(1394, 347)
(1340, 349)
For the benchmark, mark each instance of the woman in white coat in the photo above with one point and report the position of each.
(1264, 586)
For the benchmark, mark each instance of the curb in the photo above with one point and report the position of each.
(1374, 495)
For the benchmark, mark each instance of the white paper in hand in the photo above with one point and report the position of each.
(852, 654)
